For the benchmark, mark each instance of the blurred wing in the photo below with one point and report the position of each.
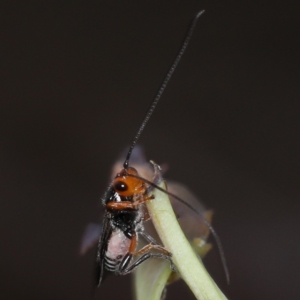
(90, 237)
(102, 247)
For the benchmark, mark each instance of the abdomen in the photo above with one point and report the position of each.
(118, 246)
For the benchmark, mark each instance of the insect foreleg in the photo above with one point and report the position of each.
(127, 204)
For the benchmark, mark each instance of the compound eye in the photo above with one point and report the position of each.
(121, 186)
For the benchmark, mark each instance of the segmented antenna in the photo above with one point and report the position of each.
(162, 88)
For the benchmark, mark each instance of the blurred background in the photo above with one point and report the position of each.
(76, 80)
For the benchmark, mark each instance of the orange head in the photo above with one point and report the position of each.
(126, 185)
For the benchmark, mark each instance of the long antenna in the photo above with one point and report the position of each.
(162, 87)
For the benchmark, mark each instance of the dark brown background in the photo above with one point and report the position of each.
(76, 81)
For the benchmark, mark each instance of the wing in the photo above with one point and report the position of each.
(102, 247)
(90, 237)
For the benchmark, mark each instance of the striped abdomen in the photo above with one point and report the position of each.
(118, 246)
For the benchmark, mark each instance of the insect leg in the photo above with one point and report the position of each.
(145, 257)
(149, 247)
(143, 200)
(148, 238)
(146, 254)
(146, 216)
(127, 204)
(127, 258)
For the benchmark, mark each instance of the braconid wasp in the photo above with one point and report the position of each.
(125, 213)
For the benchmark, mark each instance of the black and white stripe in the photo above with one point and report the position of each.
(111, 264)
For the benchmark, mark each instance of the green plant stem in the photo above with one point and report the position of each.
(186, 261)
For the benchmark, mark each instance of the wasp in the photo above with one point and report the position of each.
(123, 224)
(124, 200)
